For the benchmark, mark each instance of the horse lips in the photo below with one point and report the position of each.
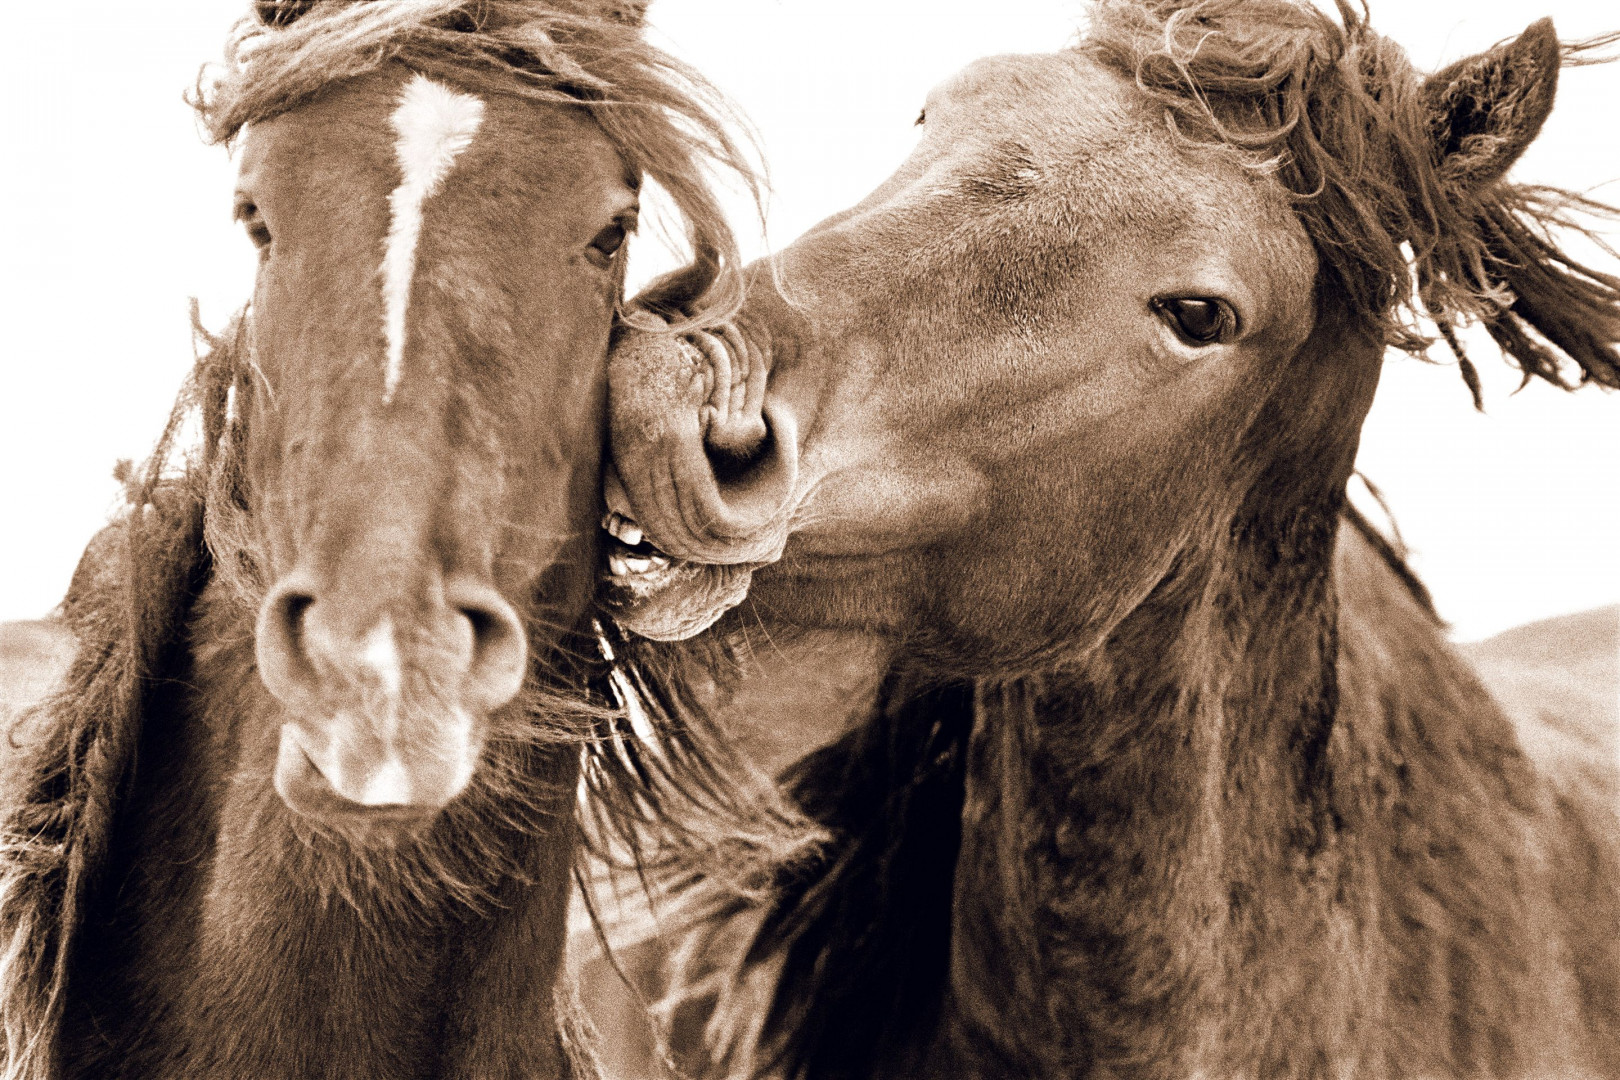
(701, 389)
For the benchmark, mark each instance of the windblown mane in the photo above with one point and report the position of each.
(130, 595)
(1339, 115)
(666, 119)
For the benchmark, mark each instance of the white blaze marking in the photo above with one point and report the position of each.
(389, 785)
(380, 653)
(435, 124)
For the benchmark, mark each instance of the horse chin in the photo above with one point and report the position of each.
(305, 790)
(385, 827)
(672, 599)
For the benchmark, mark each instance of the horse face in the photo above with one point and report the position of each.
(439, 273)
(1016, 376)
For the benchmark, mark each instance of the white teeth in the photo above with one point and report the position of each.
(624, 565)
(627, 531)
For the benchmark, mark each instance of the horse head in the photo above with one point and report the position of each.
(441, 216)
(1121, 312)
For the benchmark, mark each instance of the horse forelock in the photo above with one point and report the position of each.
(1337, 114)
(667, 121)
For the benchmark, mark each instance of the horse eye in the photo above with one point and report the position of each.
(253, 222)
(921, 116)
(607, 243)
(1198, 320)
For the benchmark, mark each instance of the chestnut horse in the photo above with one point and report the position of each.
(305, 803)
(1169, 770)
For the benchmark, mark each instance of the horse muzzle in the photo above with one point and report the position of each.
(343, 780)
(387, 706)
(704, 480)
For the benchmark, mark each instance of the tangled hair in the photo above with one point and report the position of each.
(1385, 169)
(129, 595)
(669, 123)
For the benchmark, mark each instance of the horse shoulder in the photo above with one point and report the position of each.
(1558, 680)
(1493, 833)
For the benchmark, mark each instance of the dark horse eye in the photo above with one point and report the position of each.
(253, 222)
(608, 242)
(1198, 320)
(921, 117)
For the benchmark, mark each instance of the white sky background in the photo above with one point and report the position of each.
(113, 213)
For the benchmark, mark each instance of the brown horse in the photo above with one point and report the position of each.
(305, 804)
(1171, 771)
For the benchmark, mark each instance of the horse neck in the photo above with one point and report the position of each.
(227, 943)
(1227, 842)
(1132, 816)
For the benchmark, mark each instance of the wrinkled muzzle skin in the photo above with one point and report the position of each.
(975, 412)
(712, 469)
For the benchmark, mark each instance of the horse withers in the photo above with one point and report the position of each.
(305, 805)
(1171, 771)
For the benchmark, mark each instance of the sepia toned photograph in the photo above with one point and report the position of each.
(771, 540)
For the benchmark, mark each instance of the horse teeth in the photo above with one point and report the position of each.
(626, 531)
(625, 566)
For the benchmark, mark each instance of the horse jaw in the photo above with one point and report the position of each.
(677, 601)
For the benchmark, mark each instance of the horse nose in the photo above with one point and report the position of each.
(387, 700)
(304, 645)
(500, 651)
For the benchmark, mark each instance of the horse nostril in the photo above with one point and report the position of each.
(284, 663)
(304, 656)
(500, 649)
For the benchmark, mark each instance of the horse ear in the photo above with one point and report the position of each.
(281, 12)
(1485, 110)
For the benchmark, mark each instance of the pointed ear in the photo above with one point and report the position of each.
(1485, 110)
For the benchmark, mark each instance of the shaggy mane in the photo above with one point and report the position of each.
(1337, 113)
(130, 594)
(665, 118)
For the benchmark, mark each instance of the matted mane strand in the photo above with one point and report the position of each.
(666, 119)
(130, 596)
(1339, 115)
